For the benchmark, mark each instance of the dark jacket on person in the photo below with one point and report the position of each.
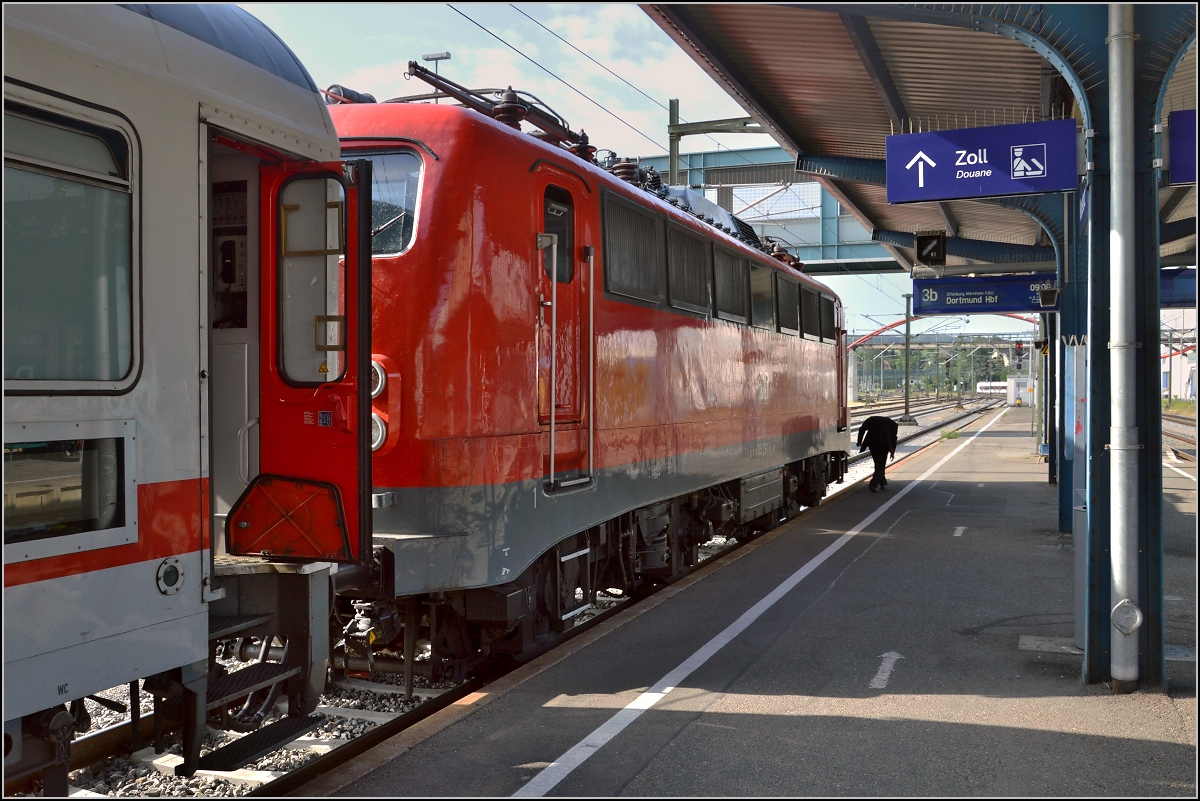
(879, 434)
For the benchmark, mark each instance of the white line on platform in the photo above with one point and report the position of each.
(1180, 472)
(958, 530)
(885, 670)
(558, 770)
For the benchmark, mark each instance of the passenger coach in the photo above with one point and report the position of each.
(183, 316)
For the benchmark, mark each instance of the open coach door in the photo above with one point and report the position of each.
(311, 499)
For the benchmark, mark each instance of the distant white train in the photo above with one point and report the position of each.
(991, 388)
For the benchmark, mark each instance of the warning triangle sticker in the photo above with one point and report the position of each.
(323, 369)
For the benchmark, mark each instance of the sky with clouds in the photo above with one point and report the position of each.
(606, 68)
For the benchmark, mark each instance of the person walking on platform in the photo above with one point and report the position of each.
(880, 435)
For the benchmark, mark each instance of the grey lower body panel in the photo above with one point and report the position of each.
(451, 538)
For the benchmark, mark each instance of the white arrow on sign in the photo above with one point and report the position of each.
(920, 160)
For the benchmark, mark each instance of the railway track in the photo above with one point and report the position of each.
(1179, 436)
(99, 771)
(916, 405)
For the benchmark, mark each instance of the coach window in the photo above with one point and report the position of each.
(312, 315)
(68, 487)
(69, 211)
(558, 217)
(762, 296)
(731, 284)
(394, 181)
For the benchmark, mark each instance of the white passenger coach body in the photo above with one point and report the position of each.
(110, 504)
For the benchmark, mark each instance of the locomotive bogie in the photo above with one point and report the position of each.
(628, 553)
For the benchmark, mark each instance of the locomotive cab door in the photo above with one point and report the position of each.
(563, 283)
(311, 498)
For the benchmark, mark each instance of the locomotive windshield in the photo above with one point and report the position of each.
(395, 177)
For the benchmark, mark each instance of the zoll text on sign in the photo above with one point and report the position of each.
(1026, 158)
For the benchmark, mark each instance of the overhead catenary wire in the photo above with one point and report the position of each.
(556, 77)
(621, 120)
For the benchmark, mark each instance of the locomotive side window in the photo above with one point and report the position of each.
(558, 217)
(312, 315)
(69, 211)
(395, 178)
(688, 270)
(731, 280)
(762, 296)
(828, 320)
(633, 258)
(789, 305)
(810, 313)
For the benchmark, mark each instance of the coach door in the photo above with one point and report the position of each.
(562, 292)
(311, 498)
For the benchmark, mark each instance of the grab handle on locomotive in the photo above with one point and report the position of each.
(551, 241)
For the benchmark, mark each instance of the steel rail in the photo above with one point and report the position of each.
(920, 432)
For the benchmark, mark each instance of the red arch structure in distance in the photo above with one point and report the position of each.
(878, 331)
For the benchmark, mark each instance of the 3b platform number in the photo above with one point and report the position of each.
(929, 295)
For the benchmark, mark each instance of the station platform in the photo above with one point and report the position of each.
(909, 642)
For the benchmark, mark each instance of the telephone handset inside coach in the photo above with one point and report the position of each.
(230, 262)
(229, 276)
(230, 267)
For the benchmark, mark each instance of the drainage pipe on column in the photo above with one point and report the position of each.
(1125, 616)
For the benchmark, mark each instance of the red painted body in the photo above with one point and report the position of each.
(457, 314)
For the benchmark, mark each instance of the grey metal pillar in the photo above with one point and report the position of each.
(907, 419)
(673, 112)
(1077, 382)
(1125, 616)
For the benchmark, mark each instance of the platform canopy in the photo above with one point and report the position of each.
(830, 82)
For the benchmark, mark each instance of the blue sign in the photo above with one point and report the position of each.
(1181, 138)
(1022, 159)
(1177, 288)
(987, 295)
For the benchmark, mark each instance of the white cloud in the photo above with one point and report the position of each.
(367, 47)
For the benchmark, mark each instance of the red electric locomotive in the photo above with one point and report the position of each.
(579, 375)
